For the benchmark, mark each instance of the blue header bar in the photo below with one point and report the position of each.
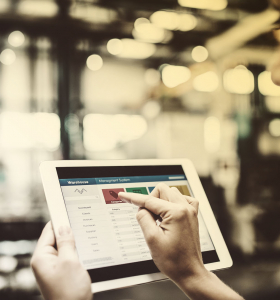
(116, 180)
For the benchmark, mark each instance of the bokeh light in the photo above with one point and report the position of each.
(274, 127)
(4, 5)
(165, 19)
(139, 22)
(151, 109)
(187, 22)
(149, 33)
(272, 104)
(172, 76)
(174, 21)
(199, 53)
(7, 57)
(267, 86)
(204, 4)
(206, 82)
(44, 8)
(21, 247)
(28, 130)
(105, 132)
(25, 279)
(94, 62)
(16, 38)
(136, 50)
(239, 80)
(115, 46)
(8, 264)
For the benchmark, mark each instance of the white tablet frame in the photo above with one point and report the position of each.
(59, 215)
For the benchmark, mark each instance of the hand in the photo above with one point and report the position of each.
(174, 244)
(59, 272)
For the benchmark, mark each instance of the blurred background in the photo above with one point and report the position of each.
(121, 79)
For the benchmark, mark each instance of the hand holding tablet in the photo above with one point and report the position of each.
(58, 270)
(174, 245)
(176, 239)
(85, 195)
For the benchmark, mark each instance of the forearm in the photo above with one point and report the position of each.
(207, 286)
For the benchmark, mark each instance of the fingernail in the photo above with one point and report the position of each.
(122, 198)
(64, 230)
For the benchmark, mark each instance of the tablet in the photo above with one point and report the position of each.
(109, 241)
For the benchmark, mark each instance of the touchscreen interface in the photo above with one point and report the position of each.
(105, 228)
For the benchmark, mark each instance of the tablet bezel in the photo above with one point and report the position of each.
(59, 215)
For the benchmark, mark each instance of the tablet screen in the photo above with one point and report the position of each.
(109, 241)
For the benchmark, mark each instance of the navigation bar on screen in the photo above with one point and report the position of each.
(114, 180)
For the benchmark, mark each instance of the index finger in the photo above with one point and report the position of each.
(153, 204)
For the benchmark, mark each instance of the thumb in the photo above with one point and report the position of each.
(66, 244)
(147, 223)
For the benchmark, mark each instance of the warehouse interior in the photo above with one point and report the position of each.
(120, 79)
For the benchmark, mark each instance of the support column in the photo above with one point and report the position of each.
(63, 61)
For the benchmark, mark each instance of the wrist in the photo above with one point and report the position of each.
(193, 286)
(207, 286)
(191, 282)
